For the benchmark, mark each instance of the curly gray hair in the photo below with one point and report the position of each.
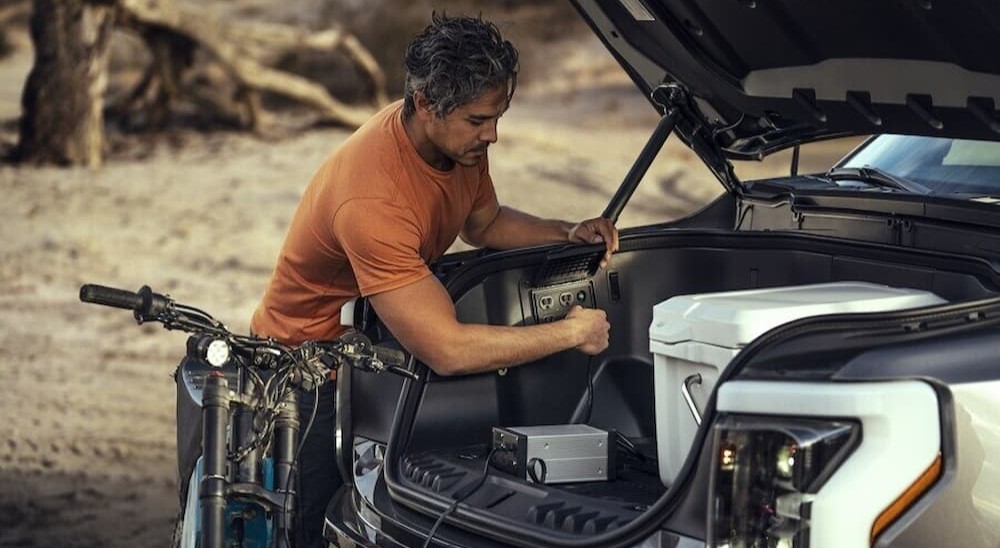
(454, 61)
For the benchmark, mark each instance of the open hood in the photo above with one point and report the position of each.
(761, 75)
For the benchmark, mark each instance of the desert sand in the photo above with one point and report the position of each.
(87, 398)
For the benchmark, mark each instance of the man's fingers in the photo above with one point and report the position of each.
(595, 231)
(609, 235)
(606, 229)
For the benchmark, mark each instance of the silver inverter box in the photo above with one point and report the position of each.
(561, 453)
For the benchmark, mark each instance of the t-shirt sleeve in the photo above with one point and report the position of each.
(382, 242)
(485, 193)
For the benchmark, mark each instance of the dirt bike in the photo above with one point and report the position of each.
(238, 426)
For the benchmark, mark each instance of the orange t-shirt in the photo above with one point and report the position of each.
(371, 219)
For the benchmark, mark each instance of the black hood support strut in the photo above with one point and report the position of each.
(641, 165)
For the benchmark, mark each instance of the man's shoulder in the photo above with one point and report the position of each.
(371, 154)
(381, 130)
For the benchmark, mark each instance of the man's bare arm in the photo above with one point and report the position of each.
(422, 317)
(502, 227)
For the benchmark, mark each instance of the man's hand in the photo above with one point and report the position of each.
(422, 317)
(592, 325)
(593, 231)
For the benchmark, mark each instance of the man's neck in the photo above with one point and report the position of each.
(425, 148)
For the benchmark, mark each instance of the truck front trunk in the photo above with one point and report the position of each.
(443, 426)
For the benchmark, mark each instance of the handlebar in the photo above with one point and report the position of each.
(146, 305)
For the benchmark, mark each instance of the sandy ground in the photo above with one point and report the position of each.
(86, 398)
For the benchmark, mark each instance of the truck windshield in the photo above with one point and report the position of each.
(945, 166)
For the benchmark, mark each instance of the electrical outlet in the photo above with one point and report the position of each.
(552, 303)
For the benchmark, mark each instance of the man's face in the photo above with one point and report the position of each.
(462, 135)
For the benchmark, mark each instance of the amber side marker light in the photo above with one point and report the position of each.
(905, 500)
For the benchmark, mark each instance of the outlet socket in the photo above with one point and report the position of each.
(552, 303)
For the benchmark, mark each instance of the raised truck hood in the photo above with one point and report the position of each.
(762, 75)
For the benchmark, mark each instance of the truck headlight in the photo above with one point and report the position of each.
(765, 473)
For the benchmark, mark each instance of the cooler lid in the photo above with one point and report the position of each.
(734, 318)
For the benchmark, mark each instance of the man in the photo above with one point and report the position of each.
(391, 200)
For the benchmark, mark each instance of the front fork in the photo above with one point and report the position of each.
(215, 488)
(286, 445)
(212, 493)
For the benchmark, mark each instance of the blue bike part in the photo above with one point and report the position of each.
(267, 479)
(267, 466)
(247, 524)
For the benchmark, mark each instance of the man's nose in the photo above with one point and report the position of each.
(489, 133)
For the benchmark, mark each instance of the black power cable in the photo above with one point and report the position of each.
(461, 497)
(621, 440)
(629, 447)
(590, 389)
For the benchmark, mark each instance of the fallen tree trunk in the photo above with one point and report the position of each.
(172, 30)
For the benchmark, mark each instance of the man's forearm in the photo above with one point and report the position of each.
(475, 348)
(512, 229)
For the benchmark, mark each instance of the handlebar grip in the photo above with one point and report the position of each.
(110, 296)
(390, 356)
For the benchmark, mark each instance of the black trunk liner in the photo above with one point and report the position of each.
(578, 508)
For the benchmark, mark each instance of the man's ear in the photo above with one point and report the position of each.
(423, 107)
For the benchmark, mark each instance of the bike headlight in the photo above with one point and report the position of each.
(207, 348)
(765, 474)
(217, 353)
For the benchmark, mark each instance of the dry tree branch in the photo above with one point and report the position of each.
(240, 48)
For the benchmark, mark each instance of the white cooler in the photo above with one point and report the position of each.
(700, 334)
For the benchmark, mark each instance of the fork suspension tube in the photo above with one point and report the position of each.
(215, 414)
(286, 443)
(248, 468)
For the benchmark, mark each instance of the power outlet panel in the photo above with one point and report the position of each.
(552, 303)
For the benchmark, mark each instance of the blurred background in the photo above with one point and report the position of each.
(203, 148)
